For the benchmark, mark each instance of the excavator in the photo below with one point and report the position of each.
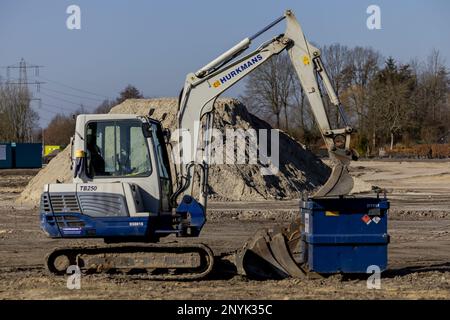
(122, 190)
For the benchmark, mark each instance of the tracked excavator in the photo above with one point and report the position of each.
(122, 186)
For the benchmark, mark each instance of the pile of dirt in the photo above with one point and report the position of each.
(58, 170)
(299, 169)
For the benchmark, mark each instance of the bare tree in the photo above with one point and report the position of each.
(388, 103)
(435, 87)
(336, 59)
(429, 113)
(17, 118)
(61, 128)
(393, 89)
(361, 69)
(130, 92)
(105, 106)
(268, 89)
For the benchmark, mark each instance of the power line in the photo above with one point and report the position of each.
(67, 101)
(76, 89)
(61, 99)
(51, 111)
(57, 107)
(44, 118)
(72, 95)
(23, 82)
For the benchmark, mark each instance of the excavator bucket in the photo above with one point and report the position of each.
(256, 260)
(268, 255)
(276, 253)
(339, 183)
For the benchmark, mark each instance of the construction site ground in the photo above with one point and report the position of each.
(419, 252)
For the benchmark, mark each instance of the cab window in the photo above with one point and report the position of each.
(117, 149)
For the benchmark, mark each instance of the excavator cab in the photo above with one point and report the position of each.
(122, 185)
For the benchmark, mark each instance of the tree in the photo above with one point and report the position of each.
(60, 129)
(388, 103)
(362, 66)
(130, 92)
(336, 59)
(391, 96)
(17, 118)
(105, 106)
(433, 111)
(303, 122)
(268, 89)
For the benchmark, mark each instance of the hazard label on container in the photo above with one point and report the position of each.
(376, 219)
(366, 219)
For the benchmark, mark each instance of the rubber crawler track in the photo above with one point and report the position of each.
(205, 253)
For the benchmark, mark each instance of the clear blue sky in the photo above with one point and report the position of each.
(154, 44)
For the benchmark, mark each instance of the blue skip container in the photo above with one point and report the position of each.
(344, 235)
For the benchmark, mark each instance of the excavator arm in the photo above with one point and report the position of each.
(308, 65)
(202, 88)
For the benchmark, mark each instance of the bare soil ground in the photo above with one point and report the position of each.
(419, 253)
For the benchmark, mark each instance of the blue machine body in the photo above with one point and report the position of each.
(344, 234)
(189, 222)
(77, 225)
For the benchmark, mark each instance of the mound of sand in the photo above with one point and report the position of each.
(57, 170)
(299, 169)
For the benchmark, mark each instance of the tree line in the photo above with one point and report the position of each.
(17, 118)
(62, 127)
(19, 122)
(390, 103)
